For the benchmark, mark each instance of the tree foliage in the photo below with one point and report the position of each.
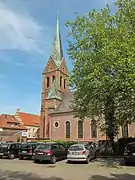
(102, 46)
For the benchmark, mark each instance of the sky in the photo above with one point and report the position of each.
(26, 31)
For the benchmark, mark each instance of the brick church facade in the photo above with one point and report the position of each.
(57, 118)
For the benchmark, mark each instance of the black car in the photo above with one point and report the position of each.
(27, 150)
(9, 149)
(129, 153)
(49, 151)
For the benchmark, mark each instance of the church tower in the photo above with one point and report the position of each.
(54, 82)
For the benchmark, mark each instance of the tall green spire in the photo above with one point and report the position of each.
(57, 52)
(53, 92)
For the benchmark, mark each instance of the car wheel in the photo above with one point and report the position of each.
(12, 156)
(53, 159)
(87, 160)
(0, 157)
(36, 161)
(20, 158)
(126, 163)
(68, 161)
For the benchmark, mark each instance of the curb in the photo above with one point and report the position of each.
(110, 157)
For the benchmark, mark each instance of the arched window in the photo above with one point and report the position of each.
(67, 129)
(60, 81)
(64, 83)
(48, 83)
(125, 131)
(80, 129)
(93, 129)
(53, 78)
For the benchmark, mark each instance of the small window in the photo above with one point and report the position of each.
(53, 78)
(80, 129)
(125, 131)
(67, 129)
(48, 82)
(64, 83)
(56, 124)
(60, 81)
(93, 129)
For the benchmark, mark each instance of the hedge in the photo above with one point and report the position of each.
(67, 144)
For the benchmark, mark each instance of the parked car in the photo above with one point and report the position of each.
(49, 151)
(9, 149)
(27, 150)
(129, 153)
(81, 152)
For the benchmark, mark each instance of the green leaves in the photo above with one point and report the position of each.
(102, 47)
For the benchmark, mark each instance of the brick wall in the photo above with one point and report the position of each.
(59, 133)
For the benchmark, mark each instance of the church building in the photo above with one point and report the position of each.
(57, 118)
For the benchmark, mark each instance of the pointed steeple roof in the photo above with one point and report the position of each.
(53, 92)
(57, 51)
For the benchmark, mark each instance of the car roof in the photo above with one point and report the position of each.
(51, 143)
(78, 144)
(132, 143)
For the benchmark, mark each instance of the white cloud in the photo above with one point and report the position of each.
(21, 31)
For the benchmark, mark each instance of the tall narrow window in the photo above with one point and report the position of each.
(53, 78)
(67, 129)
(64, 83)
(60, 81)
(80, 129)
(48, 83)
(93, 129)
(125, 131)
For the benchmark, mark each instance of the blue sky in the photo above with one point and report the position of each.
(26, 31)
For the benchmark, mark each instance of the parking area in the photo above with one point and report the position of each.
(100, 169)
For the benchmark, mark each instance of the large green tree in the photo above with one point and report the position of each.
(102, 47)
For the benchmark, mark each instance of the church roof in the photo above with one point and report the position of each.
(57, 51)
(65, 105)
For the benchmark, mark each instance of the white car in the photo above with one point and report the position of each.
(80, 152)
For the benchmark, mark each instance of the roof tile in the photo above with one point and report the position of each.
(65, 105)
(10, 122)
(29, 119)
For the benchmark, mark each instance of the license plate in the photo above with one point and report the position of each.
(24, 152)
(75, 153)
(133, 154)
(1, 154)
(39, 153)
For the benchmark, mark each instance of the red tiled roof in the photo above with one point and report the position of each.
(29, 119)
(10, 122)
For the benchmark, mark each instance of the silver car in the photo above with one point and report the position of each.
(80, 152)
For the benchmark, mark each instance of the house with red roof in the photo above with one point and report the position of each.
(30, 121)
(10, 128)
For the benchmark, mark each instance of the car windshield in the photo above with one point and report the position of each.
(43, 146)
(76, 148)
(131, 147)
